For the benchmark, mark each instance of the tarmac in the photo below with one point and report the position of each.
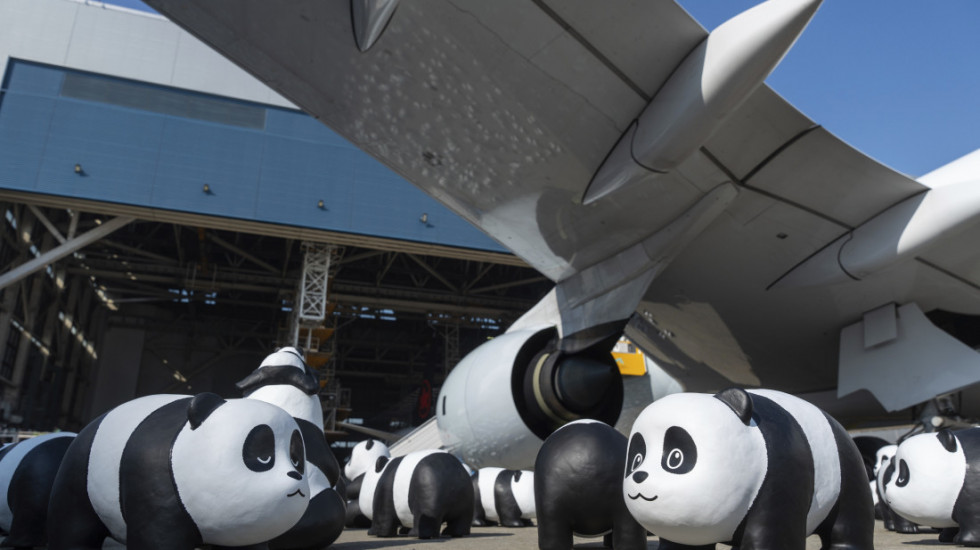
(497, 538)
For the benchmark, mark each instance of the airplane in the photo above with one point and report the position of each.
(643, 165)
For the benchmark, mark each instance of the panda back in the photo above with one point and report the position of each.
(402, 482)
(10, 460)
(107, 449)
(823, 446)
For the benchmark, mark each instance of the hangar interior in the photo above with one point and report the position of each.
(162, 307)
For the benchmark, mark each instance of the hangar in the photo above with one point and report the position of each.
(168, 221)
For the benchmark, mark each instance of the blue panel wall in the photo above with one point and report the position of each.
(276, 174)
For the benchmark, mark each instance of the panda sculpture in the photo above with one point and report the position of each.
(504, 496)
(578, 488)
(284, 380)
(759, 469)
(27, 471)
(421, 491)
(363, 458)
(173, 472)
(934, 480)
(890, 520)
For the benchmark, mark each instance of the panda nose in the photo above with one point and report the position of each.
(295, 475)
(638, 477)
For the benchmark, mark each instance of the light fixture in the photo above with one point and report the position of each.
(424, 218)
(78, 169)
(319, 204)
(206, 189)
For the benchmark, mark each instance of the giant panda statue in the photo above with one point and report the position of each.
(504, 496)
(363, 457)
(759, 469)
(578, 488)
(173, 472)
(890, 520)
(421, 490)
(934, 480)
(27, 472)
(284, 380)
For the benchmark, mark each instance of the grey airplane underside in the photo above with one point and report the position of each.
(643, 165)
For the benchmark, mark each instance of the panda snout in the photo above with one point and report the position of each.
(295, 475)
(640, 477)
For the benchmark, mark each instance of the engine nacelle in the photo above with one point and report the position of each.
(504, 398)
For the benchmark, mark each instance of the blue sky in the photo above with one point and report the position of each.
(898, 79)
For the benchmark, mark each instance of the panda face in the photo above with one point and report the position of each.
(924, 479)
(692, 469)
(241, 473)
(363, 457)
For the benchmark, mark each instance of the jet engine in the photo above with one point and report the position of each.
(504, 398)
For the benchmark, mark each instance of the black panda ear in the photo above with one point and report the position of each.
(380, 464)
(947, 438)
(201, 407)
(739, 401)
(370, 444)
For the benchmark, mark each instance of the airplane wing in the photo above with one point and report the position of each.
(506, 110)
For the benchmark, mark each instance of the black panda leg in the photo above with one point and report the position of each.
(851, 523)
(902, 525)
(457, 526)
(384, 524)
(627, 534)
(607, 540)
(967, 537)
(554, 534)
(888, 517)
(947, 534)
(426, 527)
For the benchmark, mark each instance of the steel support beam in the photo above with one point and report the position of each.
(60, 251)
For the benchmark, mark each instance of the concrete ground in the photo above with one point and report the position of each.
(497, 538)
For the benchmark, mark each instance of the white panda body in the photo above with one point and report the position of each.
(365, 500)
(522, 486)
(401, 483)
(106, 454)
(487, 480)
(292, 400)
(826, 464)
(925, 480)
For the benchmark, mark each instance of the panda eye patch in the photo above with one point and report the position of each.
(259, 450)
(903, 474)
(635, 453)
(296, 451)
(680, 454)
